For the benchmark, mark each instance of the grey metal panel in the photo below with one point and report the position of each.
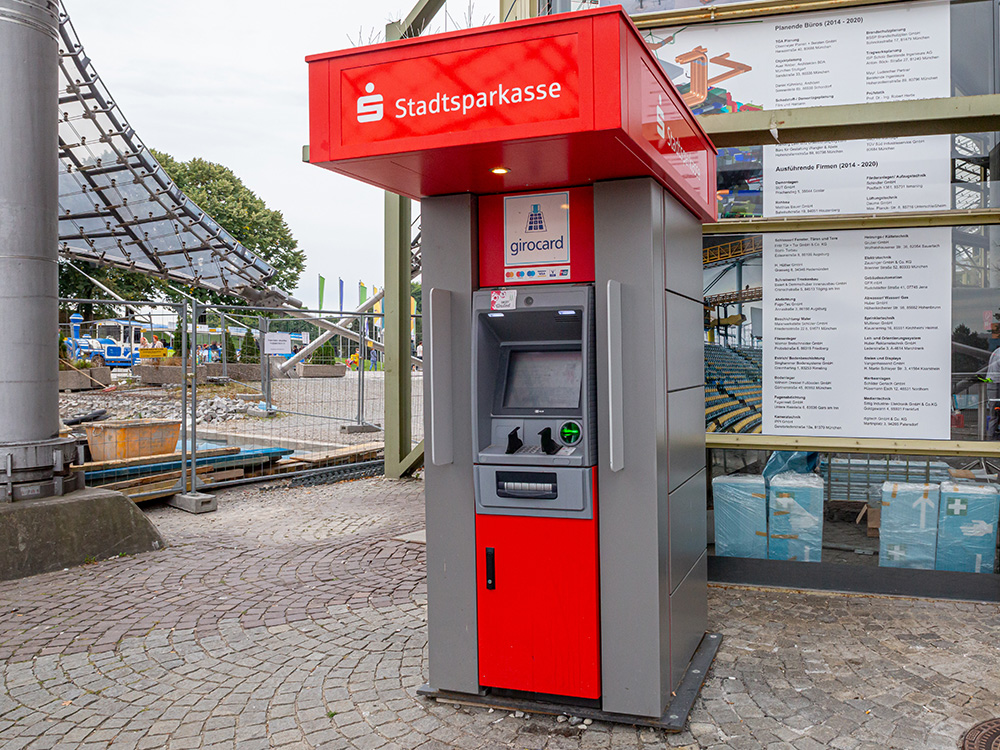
(450, 260)
(688, 532)
(688, 618)
(683, 251)
(441, 442)
(628, 233)
(686, 420)
(575, 498)
(685, 350)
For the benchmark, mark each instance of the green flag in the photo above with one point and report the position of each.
(322, 283)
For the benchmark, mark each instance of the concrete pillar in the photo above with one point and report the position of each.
(29, 206)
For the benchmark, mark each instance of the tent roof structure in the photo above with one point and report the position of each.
(118, 207)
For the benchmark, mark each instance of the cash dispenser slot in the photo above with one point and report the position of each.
(525, 491)
(527, 485)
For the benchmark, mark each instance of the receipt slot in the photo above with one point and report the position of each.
(563, 187)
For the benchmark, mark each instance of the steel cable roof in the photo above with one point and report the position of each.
(118, 207)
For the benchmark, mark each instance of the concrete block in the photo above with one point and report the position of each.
(351, 429)
(194, 502)
(84, 380)
(242, 373)
(38, 536)
(320, 371)
(166, 374)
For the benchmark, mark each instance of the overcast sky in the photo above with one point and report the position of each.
(226, 81)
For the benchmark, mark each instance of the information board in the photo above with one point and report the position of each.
(853, 56)
(277, 343)
(857, 333)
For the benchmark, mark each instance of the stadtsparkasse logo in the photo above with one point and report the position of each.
(370, 107)
(502, 86)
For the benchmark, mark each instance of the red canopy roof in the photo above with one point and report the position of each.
(557, 101)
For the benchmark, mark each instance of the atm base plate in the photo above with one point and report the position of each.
(674, 718)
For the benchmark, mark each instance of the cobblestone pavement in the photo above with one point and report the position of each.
(290, 618)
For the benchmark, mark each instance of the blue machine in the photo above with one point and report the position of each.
(967, 527)
(112, 342)
(795, 517)
(908, 532)
(740, 516)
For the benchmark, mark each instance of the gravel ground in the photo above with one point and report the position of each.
(311, 411)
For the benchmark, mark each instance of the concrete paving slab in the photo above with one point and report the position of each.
(295, 618)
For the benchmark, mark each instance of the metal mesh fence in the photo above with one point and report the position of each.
(228, 394)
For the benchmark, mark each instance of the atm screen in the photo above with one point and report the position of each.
(543, 379)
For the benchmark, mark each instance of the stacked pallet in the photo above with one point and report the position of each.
(155, 477)
(853, 479)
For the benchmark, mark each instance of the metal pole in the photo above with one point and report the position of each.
(265, 368)
(396, 331)
(225, 347)
(739, 306)
(362, 357)
(29, 207)
(194, 397)
(982, 411)
(184, 414)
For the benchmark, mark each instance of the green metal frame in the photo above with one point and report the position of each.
(830, 223)
(401, 458)
(844, 122)
(887, 446)
(739, 11)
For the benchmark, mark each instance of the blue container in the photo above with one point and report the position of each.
(967, 527)
(795, 517)
(740, 516)
(908, 531)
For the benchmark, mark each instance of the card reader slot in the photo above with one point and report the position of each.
(527, 485)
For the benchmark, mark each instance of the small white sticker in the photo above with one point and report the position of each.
(503, 299)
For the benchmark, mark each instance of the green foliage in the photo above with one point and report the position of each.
(224, 197)
(230, 348)
(249, 352)
(129, 284)
(326, 354)
(178, 338)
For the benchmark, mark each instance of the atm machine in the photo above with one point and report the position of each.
(535, 448)
(563, 368)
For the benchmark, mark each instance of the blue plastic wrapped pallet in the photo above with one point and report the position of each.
(967, 527)
(740, 516)
(909, 530)
(795, 517)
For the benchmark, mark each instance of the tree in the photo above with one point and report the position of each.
(224, 197)
(129, 284)
(178, 338)
(249, 353)
(230, 348)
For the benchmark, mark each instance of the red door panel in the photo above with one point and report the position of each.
(539, 628)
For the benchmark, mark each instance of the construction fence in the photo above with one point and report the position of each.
(175, 396)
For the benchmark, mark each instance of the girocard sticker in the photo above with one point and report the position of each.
(536, 229)
(503, 299)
